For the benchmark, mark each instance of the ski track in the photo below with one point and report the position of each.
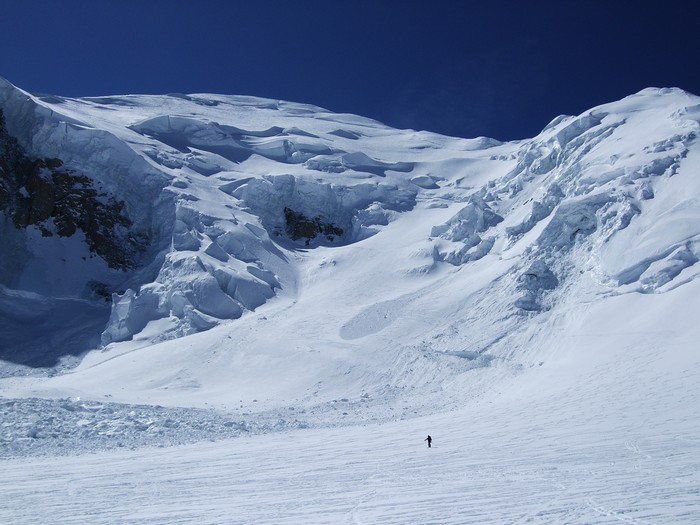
(481, 471)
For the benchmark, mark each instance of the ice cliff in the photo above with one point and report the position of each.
(162, 216)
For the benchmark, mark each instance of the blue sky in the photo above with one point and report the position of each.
(499, 68)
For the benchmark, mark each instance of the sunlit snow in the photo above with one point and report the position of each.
(320, 292)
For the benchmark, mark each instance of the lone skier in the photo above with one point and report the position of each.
(429, 440)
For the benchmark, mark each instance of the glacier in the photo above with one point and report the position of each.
(184, 268)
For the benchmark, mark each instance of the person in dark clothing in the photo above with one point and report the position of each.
(429, 440)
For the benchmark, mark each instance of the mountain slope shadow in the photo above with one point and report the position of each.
(39, 332)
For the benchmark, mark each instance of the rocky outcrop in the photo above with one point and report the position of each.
(42, 194)
(299, 226)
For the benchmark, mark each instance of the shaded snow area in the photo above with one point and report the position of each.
(225, 309)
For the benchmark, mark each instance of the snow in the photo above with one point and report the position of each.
(571, 441)
(530, 305)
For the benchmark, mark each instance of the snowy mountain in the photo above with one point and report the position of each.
(294, 268)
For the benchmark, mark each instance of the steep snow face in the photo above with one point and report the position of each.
(72, 195)
(581, 195)
(228, 202)
(205, 201)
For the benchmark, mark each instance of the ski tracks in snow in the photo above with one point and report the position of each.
(479, 472)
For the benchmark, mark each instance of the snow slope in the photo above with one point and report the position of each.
(320, 291)
(571, 441)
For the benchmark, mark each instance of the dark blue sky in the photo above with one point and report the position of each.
(466, 68)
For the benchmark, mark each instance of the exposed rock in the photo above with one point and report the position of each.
(300, 226)
(37, 192)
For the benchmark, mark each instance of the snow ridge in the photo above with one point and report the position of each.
(229, 204)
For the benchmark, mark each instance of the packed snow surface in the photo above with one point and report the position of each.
(319, 292)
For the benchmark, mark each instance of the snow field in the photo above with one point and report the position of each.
(531, 305)
(498, 464)
(585, 435)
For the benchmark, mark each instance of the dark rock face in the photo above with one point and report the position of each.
(299, 226)
(37, 192)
